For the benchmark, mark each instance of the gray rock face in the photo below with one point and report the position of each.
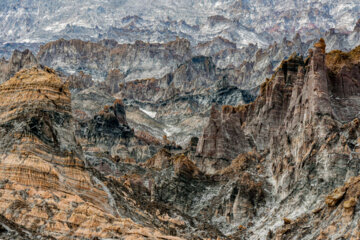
(301, 132)
(108, 133)
(135, 61)
(19, 60)
(86, 103)
(116, 63)
(180, 100)
(266, 169)
(214, 46)
(78, 82)
(241, 22)
(253, 64)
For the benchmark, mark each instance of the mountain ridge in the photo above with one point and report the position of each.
(33, 23)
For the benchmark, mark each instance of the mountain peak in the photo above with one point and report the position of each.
(321, 45)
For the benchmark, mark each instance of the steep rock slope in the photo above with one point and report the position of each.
(108, 133)
(105, 128)
(19, 60)
(254, 63)
(304, 124)
(282, 167)
(46, 187)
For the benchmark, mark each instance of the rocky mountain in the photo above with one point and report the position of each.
(134, 61)
(172, 87)
(282, 167)
(34, 22)
(48, 188)
(73, 167)
(39, 152)
(304, 126)
(166, 119)
(266, 169)
(111, 61)
(183, 98)
(19, 60)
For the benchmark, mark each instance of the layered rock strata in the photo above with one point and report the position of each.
(45, 186)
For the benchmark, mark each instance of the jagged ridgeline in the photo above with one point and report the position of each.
(176, 82)
(285, 166)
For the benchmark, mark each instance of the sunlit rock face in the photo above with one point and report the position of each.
(45, 186)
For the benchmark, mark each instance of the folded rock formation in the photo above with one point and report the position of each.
(44, 182)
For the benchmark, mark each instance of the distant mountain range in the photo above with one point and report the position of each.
(30, 23)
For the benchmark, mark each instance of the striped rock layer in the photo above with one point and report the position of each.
(44, 184)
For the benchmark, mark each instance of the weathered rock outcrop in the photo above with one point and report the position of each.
(135, 61)
(46, 187)
(217, 204)
(39, 152)
(214, 46)
(113, 80)
(304, 125)
(108, 133)
(80, 81)
(110, 121)
(183, 98)
(276, 110)
(336, 218)
(19, 60)
(268, 169)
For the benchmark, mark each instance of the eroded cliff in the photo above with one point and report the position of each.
(46, 186)
(304, 124)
